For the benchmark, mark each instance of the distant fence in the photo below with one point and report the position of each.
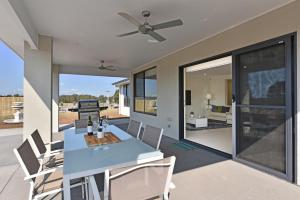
(6, 103)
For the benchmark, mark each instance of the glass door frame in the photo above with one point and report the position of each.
(291, 95)
(292, 37)
(181, 105)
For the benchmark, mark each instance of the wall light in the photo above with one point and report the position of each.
(210, 64)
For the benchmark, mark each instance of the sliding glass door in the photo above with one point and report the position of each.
(263, 91)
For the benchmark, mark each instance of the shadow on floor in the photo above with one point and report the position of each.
(187, 156)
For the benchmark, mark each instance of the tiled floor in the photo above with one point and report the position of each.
(220, 139)
(198, 175)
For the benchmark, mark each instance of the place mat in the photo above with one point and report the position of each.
(109, 138)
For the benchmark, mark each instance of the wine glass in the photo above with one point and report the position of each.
(95, 126)
(105, 124)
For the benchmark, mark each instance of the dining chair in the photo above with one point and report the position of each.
(50, 158)
(152, 136)
(134, 128)
(146, 181)
(43, 182)
(80, 123)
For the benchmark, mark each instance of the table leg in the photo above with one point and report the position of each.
(67, 190)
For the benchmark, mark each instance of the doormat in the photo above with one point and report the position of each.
(183, 145)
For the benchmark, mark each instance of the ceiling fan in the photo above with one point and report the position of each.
(109, 68)
(148, 29)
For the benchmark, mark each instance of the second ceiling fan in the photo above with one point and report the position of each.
(148, 29)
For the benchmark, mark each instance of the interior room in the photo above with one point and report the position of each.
(208, 100)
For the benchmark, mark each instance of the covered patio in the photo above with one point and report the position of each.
(73, 37)
(199, 174)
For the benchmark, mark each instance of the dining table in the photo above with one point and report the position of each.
(82, 160)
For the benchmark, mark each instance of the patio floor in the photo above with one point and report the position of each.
(199, 174)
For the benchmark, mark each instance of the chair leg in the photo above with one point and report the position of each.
(86, 188)
(82, 188)
(166, 196)
(31, 190)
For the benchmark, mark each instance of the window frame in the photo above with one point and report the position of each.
(144, 92)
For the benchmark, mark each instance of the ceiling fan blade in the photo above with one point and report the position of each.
(109, 69)
(130, 18)
(168, 24)
(130, 33)
(156, 36)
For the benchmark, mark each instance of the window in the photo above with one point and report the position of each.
(126, 95)
(145, 97)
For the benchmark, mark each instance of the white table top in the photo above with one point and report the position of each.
(81, 160)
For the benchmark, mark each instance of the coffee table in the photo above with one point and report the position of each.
(198, 122)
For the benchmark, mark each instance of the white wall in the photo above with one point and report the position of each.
(276, 23)
(55, 98)
(218, 89)
(200, 85)
(123, 110)
(38, 89)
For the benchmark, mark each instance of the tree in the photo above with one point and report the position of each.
(102, 99)
(116, 96)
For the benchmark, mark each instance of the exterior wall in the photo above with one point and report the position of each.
(55, 98)
(273, 24)
(38, 89)
(123, 110)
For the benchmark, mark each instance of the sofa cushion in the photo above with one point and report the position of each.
(216, 114)
(219, 109)
(225, 109)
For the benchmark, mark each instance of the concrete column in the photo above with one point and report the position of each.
(38, 88)
(55, 98)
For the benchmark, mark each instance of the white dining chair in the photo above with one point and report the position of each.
(134, 128)
(145, 181)
(43, 182)
(53, 157)
(152, 136)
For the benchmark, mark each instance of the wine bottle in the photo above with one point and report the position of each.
(100, 122)
(100, 132)
(90, 126)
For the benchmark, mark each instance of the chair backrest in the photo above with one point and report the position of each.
(38, 141)
(152, 136)
(81, 123)
(27, 158)
(134, 128)
(143, 181)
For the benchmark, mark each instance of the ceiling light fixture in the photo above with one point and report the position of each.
(210, 64)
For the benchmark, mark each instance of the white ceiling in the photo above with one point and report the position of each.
(224, 70)
(85, 31)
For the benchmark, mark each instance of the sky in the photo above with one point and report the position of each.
(12, 72)
(94, 85)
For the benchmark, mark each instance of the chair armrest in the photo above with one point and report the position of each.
(40, 173)
(54, 142)
(51, 153)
